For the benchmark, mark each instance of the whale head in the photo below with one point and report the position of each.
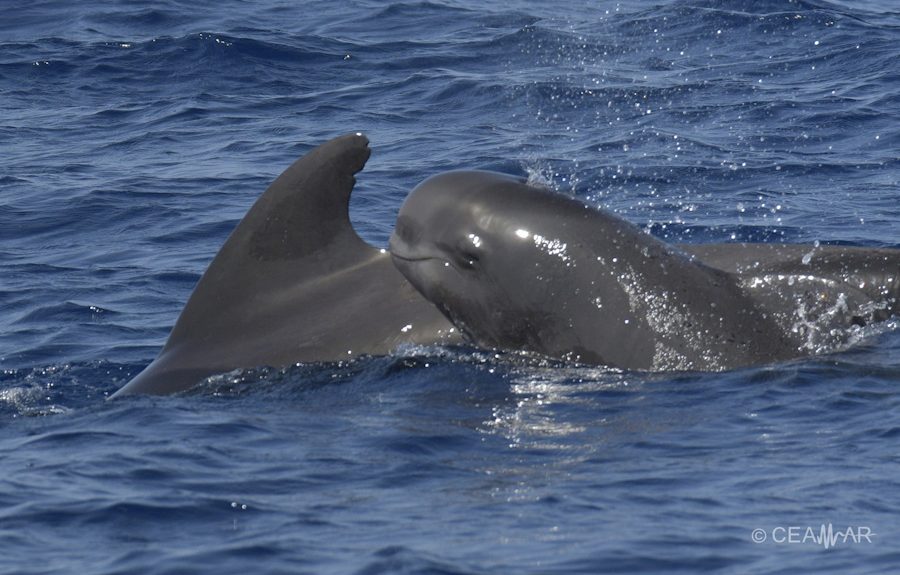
(493, 254)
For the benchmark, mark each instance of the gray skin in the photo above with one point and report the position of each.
(294, 283)
(517, 267)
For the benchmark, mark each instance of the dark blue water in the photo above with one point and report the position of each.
(134, 135)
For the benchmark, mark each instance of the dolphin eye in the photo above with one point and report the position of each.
(467, 254)
(467, 258)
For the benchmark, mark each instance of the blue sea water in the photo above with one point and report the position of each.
(135, 134)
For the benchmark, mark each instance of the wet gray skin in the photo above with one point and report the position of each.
(517, 267)
(294, 283)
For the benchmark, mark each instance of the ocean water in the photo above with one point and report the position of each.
(133, 137)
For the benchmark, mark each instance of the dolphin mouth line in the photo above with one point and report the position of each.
(411, 258)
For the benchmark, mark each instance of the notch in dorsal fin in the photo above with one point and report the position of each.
(306, 208)
(297, 231)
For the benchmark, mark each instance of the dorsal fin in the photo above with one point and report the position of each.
(294, 282)
(304, 209)
(297, 230)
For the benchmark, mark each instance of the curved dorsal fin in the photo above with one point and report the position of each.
(294, 282)
(304, 209)
(298, 230)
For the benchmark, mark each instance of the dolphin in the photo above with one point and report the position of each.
(517, 267)
(295, 283)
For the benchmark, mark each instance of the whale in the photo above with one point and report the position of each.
(486, 259)
(520, 267)
(294, 283)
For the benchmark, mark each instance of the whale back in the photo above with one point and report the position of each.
(547, 273)
(519, 267)
(295, 283)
